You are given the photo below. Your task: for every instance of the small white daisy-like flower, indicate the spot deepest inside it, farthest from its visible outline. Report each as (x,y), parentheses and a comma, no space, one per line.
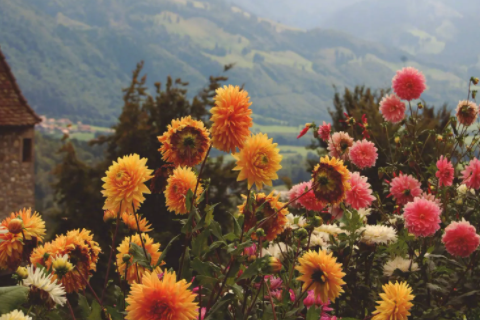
(395,219)
(15,315)
(317,240)
(364,213)
(378,234)
(400,263)
(277,250)
(295,222)
(332,229)
(38,279)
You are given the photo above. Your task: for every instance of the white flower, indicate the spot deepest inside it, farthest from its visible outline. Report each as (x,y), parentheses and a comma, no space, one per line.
(15,315)
(317,240)
(463,189)
(399,263)
(332,229)
(300,222)
(378,234)
(37,278)
(396,219)
(277,250)
(364,213)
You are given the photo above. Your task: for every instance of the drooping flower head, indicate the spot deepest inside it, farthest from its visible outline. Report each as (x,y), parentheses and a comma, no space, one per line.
(392,108)
(125,184)
(471,174)
(324,131)
(159,181)
(135,271)
(308,200)
(185,143)
(15,315)
(408,83)
(270,209)
(178,184)
(44,289)
(109,216)
(445,173)
(321,273)
(467,112)
(61,265)
(339,145)
(231,118)
(422,217)
(405,188)
(360,194)
(330,180)
(396,302)
(404,265)
(461,239)
(363,154)
(378,234)
(258,161)
(131,222)
(160,299)
(13,247)
(82,252)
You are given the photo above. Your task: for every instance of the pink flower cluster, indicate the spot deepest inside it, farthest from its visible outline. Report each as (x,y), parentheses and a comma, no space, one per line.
(307,201)
(471,174)
(461,239)
(422,217)
(360,194)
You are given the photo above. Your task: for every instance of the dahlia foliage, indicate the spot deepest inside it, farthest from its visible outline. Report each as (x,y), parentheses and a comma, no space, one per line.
(378,231)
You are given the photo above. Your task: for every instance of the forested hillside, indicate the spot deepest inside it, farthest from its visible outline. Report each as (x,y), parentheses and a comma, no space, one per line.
(72,58)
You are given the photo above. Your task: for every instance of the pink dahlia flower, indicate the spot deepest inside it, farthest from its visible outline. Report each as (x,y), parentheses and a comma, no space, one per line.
(392,108)
(324,131)
(363,154)
(461,239)
(409,83)
(471,174)
(292,295)
(445,172)
(405,188)
(467,112)
(360,195)
(422,217)
(339,144)
(311,300)
(430,197)
(307,201)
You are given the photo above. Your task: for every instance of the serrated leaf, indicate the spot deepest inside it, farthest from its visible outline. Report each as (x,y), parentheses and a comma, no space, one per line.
(201,267)
(216,229)
(12,298)
(83,307)
(96,313)
(200,243)
(188,200)
(254,269)
(209,213)
(115,314)
(217,306)
(313,313)
(206,281)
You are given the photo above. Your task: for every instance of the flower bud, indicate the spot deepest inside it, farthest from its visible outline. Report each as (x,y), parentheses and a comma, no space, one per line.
(420,105)
(439,137)
(62,266)
(46,255)
(317,221)
(474,94)
(126,258)
(260,233)
(15,226)
(397,140)
(22,273)
(301,233)
(274,265)
(459,201)
(474,80)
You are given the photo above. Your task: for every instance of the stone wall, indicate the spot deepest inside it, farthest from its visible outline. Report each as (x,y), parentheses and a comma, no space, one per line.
(17,184)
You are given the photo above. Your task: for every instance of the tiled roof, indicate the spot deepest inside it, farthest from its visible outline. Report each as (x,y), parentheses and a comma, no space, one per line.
(14,108)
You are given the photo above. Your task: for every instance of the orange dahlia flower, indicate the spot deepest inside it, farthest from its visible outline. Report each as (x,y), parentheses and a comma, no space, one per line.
(258,161)
(178,184)
(82,253)
(135,271)
(277,219)
(129,220)
(185,143)
(109,215)
(18,245)
(125,184)
(161,299)
(330,180)
(395,303)
(322,274)
(231,118)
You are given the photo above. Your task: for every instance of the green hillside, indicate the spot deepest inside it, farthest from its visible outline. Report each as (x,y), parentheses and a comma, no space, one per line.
(72,58)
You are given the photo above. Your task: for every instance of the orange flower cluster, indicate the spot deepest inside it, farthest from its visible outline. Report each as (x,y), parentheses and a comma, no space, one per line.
(82,251)
(25,230)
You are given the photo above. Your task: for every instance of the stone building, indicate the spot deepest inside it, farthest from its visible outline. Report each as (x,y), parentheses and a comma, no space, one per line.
(17,122)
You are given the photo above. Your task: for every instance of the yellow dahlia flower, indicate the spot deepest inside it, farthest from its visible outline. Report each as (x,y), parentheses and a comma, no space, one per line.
(258,161)
(134,271)
(231,118)
(178,184)
(129,220)
(161,299)
(13,245)
(277,219)
(321,273)
(125,184)
(395,303)
(330,180)
(185,143)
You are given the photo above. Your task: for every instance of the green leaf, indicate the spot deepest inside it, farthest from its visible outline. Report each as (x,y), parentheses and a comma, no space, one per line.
(313,313)
(139,256)
(254,269)
(83,307)
(209,213)
(202,268)
(188,200)
(216,307)
(200,243)
(186,273)
(115,314)
(164,253)
(206,281)
(230,236)
(96,313)
(216,229)
(12,298)
(237,229)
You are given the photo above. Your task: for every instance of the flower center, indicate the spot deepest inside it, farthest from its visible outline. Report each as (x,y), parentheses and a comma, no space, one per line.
(189,142)
(323,181)
(161,311)
(318,276)
(261,161)
(407,192)
(343,145)
(119,175)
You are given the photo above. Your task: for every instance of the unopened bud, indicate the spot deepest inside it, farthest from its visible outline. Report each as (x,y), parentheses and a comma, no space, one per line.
(46,255)
(397,140)
(439,137)
(474,94)
(459,201)
(260,233)
(317,221)
(301,233)
(420,105)
(126,258)
(474,80)
(15,226)
(22,273)
(274,265)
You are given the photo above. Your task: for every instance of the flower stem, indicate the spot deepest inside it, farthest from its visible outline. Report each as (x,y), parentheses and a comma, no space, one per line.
(271,301)
(140,235)
(111,252)
(71,310)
